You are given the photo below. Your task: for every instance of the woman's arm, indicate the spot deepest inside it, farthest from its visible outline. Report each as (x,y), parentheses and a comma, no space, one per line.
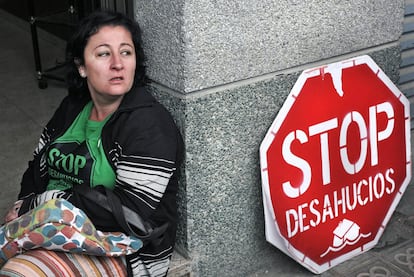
(34,180)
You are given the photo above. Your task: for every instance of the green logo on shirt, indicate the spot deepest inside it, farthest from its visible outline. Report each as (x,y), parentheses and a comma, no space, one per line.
(69,163)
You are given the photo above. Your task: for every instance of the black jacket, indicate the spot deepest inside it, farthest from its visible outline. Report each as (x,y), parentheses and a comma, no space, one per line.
(144,147)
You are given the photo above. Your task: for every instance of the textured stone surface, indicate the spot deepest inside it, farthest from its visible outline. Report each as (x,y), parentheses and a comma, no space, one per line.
(193,45)
(223,134)
(161,23)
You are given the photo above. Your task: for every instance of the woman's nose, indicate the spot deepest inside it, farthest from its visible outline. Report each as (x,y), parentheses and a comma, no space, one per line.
(116,62)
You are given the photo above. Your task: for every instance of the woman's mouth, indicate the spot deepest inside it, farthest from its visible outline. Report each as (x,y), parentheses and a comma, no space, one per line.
(116,80)
(120,78)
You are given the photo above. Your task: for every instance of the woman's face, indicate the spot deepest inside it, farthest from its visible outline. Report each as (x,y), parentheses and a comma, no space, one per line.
(109,62)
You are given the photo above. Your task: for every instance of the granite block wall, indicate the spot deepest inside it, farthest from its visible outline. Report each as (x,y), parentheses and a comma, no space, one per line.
(224,69)
(195,45)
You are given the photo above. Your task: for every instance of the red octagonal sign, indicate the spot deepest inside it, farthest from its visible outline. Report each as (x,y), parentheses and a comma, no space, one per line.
(335,163)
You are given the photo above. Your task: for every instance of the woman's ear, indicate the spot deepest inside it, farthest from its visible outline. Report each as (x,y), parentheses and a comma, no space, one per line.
(81,68)
(82,72)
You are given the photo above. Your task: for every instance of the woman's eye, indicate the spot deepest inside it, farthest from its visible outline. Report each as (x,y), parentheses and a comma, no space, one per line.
(126,52)
(103,54)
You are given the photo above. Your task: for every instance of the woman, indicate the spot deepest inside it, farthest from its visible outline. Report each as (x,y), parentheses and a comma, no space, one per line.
(109,134)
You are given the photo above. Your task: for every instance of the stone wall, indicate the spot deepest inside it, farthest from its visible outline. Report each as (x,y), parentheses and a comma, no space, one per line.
(224,69)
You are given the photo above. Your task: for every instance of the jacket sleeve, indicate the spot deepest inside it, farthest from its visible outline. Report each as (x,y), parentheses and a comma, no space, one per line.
(31,180)
(34,180)
(147,168)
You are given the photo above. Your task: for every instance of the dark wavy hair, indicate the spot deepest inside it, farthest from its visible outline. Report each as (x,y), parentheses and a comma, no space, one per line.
(89,26)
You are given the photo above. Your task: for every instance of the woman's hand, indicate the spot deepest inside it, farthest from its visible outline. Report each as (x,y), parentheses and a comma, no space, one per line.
(13,212)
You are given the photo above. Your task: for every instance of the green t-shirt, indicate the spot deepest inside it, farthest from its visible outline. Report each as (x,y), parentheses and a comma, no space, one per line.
(77,157)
